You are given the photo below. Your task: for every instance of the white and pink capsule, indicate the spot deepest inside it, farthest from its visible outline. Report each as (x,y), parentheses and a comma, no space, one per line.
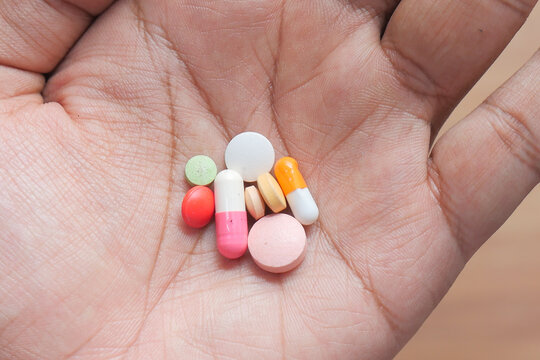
(231,216)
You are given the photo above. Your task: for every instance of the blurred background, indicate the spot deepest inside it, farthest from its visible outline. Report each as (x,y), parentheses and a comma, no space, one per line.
(493,309)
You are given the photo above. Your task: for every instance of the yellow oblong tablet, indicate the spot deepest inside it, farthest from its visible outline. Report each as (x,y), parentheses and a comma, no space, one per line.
(271,192)
(254,202)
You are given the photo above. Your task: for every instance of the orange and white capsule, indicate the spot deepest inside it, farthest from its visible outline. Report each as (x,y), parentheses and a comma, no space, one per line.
(294,187)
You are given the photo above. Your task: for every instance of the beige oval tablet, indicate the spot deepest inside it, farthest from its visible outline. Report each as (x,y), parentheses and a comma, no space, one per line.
(271,192)
(254,202)
(277,243)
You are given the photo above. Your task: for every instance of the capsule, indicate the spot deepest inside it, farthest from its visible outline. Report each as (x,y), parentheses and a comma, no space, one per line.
(231,217)
(296,191)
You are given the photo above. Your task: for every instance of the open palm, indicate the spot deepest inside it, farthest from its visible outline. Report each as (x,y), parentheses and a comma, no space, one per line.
(94,259)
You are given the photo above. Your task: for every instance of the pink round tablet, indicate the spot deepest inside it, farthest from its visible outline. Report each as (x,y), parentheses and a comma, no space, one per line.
(277,243)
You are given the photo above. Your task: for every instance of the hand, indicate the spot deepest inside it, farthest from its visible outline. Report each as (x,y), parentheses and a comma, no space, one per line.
(95,261)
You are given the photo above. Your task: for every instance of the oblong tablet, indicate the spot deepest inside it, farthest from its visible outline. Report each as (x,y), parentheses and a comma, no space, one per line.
(254,202)
(200,170)
(277,243)
(198,206)
(250,154)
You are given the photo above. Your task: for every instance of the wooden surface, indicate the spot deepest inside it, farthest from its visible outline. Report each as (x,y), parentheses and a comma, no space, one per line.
(493,310)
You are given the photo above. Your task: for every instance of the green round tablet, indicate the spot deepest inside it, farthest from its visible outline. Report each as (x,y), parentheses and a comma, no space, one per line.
(200,170)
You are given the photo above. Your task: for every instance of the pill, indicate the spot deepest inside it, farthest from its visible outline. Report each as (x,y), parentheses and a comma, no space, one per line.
(254,202)
(200,170)
(277,243)
(271,192)
(231,217)
(250,154)
(198,206)
(296,191)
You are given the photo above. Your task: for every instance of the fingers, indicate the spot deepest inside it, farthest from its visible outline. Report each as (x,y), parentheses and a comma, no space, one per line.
(35,35)
(439,49)
(18,82)
(484,167)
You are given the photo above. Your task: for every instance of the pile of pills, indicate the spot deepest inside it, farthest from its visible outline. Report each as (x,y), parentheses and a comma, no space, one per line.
(276,242)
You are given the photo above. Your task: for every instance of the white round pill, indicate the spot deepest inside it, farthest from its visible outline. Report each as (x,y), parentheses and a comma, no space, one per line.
(250,154)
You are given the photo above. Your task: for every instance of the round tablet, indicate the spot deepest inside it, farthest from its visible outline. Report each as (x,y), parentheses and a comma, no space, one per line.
(271,192)
(254,202)
(200,170)
(277,243)
(198,206)
(250,154)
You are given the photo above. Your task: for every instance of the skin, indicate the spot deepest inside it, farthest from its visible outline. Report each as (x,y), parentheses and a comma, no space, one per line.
(95,262)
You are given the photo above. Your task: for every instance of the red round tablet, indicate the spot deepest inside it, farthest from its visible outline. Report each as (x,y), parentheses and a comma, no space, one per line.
(198,206)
